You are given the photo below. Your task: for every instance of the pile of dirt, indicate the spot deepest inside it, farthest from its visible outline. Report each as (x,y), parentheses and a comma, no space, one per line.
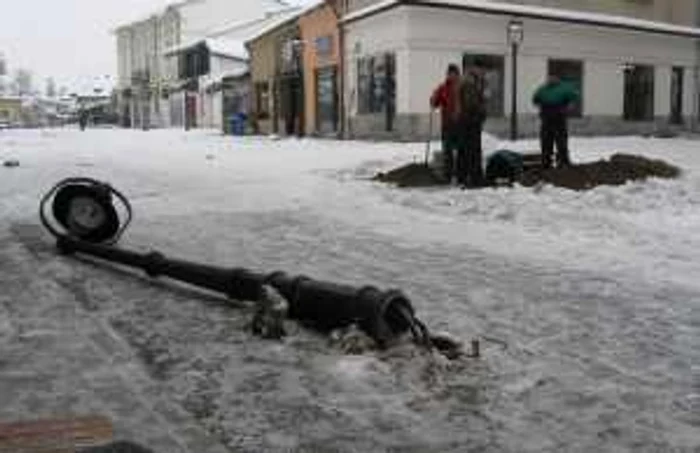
(411,175)
(617,171)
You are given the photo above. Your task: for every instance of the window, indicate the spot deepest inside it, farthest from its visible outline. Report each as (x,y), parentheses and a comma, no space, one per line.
(324,46)
(494,80)
(570,71)
(376,84)
(364,84)
(326,100)
(639,93)
(262,100)
(677,79)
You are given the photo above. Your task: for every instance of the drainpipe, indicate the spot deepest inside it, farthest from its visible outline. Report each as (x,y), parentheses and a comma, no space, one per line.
(696,74)
(336,7)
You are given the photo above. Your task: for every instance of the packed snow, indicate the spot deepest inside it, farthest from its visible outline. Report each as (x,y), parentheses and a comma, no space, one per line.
(586,302)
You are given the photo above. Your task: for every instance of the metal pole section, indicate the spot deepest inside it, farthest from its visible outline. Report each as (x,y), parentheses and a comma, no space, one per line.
(383,315)
(514,93)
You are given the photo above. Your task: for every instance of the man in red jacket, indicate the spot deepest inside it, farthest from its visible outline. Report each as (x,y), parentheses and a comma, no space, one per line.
(446,98)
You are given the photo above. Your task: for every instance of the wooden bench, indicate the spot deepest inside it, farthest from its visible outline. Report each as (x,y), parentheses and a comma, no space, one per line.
(55,435)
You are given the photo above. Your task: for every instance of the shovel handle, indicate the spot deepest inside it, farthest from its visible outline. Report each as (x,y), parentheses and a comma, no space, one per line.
(428,143)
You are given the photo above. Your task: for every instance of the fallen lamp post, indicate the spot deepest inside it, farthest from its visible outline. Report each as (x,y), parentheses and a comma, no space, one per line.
(84,219)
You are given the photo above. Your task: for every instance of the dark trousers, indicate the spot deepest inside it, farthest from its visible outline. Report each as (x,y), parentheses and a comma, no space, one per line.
(471,172)
(451,146)
(554,131)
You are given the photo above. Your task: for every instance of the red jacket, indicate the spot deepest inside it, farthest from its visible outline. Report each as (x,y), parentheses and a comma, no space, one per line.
(446,99)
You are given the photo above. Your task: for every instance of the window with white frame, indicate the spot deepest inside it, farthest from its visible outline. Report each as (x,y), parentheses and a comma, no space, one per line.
(376,83)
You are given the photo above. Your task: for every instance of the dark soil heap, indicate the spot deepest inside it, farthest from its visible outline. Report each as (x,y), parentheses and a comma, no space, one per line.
(411,175)
(617,171)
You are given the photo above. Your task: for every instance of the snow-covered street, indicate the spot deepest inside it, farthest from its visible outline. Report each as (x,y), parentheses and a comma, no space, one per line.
(588,303)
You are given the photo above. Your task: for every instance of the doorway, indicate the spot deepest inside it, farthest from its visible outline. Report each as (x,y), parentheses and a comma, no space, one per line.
(326,101)
(677,79)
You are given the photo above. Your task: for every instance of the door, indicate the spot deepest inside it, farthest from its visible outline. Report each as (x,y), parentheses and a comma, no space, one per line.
(677,77)
(639,93)
(326,101)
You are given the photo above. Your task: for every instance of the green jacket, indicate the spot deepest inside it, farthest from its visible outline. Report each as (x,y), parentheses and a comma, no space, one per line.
(555,96)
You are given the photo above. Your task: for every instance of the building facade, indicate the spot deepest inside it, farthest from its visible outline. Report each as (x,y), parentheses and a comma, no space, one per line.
(635,75)
(276,70)
(10,111)
(321,56)
(150,92)
(145,75)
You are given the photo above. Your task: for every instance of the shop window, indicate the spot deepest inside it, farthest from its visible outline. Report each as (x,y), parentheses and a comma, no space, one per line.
(571,72)
(376,92)
(639,93)
(326,100)
(324,46)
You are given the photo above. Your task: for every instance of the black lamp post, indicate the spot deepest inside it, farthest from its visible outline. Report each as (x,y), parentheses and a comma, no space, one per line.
(516,34)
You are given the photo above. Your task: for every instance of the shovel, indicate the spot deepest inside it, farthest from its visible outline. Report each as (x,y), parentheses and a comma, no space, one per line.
(428,143)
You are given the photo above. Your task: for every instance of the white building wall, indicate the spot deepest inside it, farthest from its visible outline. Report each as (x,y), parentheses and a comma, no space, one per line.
(689,100)
(603,88)
(532,71)
(221,65)
(436,37)
(386,32)
(662,91)
(433,65)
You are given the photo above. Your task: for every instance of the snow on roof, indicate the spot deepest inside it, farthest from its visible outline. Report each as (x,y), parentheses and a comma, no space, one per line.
(232,74)
(249,27)
(227,47)
(292,14)
(231,48)
(235,74)
(535,12)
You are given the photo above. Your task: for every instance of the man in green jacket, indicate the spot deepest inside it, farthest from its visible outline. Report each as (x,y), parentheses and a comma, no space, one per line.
(555,99)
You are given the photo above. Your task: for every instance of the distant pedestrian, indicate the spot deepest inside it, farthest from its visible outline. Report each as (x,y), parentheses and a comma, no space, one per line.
(555,99)
(446,98)
(83,119)
(472,118)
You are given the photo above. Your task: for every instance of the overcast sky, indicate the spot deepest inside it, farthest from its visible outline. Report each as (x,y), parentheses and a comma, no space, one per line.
(67,39)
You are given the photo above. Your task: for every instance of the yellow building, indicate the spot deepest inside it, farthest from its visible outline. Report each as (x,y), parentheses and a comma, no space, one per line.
(10,110)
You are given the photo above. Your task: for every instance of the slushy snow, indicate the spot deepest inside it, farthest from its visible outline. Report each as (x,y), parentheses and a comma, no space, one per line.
(586,303)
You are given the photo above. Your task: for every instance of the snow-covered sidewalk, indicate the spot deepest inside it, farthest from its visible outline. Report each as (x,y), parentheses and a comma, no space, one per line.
(596,295)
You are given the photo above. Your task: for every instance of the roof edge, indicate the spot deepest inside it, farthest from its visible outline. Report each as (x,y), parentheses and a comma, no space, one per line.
(538,13)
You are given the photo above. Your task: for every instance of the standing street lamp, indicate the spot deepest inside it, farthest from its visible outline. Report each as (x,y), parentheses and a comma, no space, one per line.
(516,33)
